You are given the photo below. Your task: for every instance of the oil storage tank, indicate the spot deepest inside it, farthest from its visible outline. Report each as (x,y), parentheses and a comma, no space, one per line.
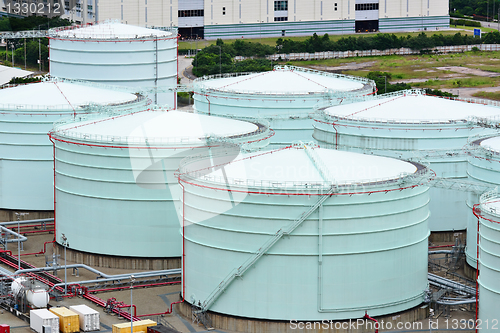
(118,54)
(484,168)
(27,114)
(304,233)
(284,96)
(411,123)
(123,168)
(488,215)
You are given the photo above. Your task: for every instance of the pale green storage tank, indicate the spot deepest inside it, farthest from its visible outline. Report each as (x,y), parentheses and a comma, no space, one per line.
(407,124)
(363,247)
(116,191)
(27,114)
(484,168)
(285,97)
(488,213)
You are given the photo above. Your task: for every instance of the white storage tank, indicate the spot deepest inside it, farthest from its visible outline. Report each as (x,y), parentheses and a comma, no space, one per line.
(43,317)
(123,169)
(89,318)
(488,214)
(407,124)
(264,239)
(118,54)
(484,168)
(27,114)
(284,96)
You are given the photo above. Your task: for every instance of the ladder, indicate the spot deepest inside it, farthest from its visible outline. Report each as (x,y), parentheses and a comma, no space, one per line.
(238,272)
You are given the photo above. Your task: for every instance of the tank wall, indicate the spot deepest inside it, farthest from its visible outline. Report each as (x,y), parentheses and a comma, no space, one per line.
(288,116)
(374,254)
(123,63)
(487,172)
(448,207)
(26,167)
(118,201)
(489,272)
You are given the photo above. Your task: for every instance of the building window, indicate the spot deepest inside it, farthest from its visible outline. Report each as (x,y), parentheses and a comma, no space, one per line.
(280,5)
(367,6)
(223,10)
(335,7)
(277,19)
(190,13)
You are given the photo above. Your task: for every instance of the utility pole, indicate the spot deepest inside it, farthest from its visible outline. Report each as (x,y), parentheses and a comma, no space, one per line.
(39,56)
(25,54)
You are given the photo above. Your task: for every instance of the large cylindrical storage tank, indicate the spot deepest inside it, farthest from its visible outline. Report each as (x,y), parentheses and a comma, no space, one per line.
(304,233)
(118,54)
(488,217)
(116,191)
(484,168)
(27,114)
(284,96)
(408,124)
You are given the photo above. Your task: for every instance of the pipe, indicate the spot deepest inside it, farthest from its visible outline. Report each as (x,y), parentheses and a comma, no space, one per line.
(470,301)
(25,221)
(99,273)
(116,277)
(20,238)
(441,252)
(373,319)
(41,252)
(474,208)
(439,246)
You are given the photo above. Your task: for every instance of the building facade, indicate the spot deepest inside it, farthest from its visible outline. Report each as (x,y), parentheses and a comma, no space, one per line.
(212,19)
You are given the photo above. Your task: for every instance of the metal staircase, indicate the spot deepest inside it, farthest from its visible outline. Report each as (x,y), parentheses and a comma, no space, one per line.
(238,272)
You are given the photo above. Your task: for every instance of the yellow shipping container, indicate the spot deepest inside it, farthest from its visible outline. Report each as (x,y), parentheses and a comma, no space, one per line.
(139,326)
(69,322)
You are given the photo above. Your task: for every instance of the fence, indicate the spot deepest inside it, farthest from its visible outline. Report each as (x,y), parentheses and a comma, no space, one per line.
(369,53)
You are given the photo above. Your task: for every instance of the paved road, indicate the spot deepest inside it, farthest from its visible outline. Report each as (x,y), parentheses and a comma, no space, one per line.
(185,72)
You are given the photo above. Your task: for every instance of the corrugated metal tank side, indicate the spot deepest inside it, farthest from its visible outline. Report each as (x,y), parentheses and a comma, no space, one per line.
(132,63)
(489,264)
(440,144)
(102,208)
(288,115)
(26,167)
(374,255)
(483,167)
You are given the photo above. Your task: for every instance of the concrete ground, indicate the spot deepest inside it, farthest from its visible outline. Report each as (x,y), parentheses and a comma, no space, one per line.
(148,300)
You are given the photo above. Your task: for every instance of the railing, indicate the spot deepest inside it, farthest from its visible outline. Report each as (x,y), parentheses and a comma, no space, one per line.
(199,86)
(421,176)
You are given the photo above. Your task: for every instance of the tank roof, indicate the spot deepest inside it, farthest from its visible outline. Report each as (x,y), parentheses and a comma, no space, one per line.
(63,94)
(157,126)
(314,165)
(492,144)
(412,107)
(114,30)
(282,80)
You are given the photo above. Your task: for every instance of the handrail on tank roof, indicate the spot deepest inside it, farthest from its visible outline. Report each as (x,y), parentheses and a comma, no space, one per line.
(197,84)
(489,196)
(475,146)
(55,32)
(423,175)
(263,130)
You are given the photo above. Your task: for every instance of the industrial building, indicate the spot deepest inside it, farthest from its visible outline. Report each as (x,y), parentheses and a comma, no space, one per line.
(313,234)
(408,124)
(284,96)
(27,115)
(268,18)
(123,167)
(118,54)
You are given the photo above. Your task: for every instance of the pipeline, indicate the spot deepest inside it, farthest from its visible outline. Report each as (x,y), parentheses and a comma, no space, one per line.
(20,238)
(373,319)
(99,273)
(439,246)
